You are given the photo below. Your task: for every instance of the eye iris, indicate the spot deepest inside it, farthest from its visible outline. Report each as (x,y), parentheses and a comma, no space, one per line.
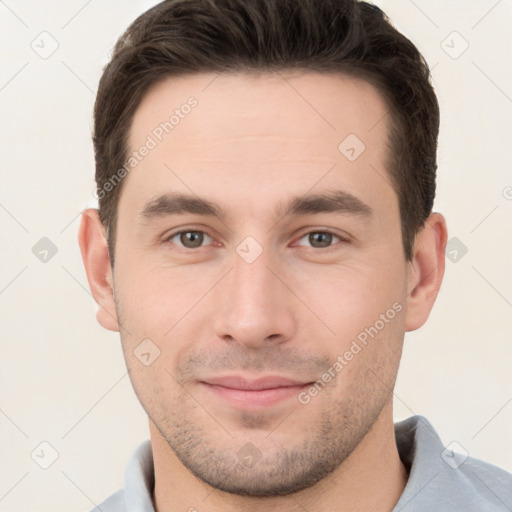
(325,238)
(196,238)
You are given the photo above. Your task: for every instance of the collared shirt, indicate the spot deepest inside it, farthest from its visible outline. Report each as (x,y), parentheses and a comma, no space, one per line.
(440,480)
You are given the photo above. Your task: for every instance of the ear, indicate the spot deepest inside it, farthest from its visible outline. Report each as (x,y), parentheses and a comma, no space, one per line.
(425,271)
(94,249)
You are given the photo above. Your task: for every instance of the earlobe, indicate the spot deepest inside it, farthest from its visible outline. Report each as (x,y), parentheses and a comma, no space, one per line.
(426,271)
(94,249)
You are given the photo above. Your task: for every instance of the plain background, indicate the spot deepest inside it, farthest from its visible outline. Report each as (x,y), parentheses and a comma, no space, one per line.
(62,376)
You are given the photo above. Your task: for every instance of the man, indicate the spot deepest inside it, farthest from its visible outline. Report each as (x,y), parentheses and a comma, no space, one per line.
(265,237)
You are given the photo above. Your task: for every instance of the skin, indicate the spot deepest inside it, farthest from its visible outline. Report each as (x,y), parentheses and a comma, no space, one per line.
(252,142)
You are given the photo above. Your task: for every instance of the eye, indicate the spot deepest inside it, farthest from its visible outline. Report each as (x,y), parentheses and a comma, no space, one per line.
(193,239)
(190,239)
(321,239)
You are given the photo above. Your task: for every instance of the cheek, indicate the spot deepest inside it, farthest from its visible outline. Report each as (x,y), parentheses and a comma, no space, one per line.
(154,384)
(348,300)
(155,300)
(162,310)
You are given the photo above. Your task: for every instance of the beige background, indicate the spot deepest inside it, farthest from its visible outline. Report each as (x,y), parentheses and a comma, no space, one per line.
(62,377)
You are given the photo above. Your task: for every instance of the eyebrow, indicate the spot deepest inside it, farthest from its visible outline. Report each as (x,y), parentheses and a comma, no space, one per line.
(334,201)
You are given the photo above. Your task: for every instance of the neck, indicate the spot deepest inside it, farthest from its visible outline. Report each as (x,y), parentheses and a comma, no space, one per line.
(371,478)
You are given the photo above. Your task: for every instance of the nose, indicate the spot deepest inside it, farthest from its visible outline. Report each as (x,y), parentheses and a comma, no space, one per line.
(257,306)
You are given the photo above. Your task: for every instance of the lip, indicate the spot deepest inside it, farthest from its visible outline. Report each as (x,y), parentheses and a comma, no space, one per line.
(253,394)
(267,382)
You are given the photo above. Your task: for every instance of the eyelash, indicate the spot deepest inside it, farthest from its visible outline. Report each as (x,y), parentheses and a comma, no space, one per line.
(326,249)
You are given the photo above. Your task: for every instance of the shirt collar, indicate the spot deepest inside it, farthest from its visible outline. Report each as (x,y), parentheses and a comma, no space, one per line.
(140,480)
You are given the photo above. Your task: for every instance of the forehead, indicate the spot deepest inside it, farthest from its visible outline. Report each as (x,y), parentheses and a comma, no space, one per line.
(264,105)
(253,132)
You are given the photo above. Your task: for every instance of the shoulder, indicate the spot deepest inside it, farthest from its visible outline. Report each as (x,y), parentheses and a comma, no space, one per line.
(482,479)
(472,486)
(114,503)
(442,478)
(138,484)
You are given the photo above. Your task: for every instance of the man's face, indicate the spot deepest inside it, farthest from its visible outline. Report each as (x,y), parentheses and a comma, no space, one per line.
(257,293)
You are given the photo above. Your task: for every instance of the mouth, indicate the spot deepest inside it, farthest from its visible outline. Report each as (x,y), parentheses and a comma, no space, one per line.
(256,394)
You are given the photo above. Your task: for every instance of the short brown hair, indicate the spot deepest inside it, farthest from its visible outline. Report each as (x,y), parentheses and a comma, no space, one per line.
(178,37)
